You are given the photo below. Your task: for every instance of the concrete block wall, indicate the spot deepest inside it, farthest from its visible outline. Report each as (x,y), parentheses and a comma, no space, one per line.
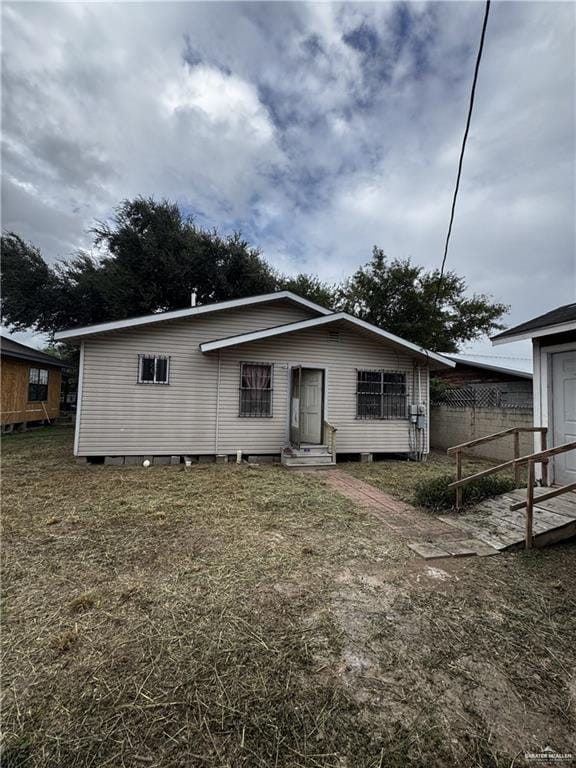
(451,426)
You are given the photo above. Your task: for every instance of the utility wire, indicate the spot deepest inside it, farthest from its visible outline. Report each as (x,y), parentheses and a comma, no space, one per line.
(463,149)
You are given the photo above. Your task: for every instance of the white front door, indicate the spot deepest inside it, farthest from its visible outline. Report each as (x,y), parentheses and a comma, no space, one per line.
(564,414)
(311,406)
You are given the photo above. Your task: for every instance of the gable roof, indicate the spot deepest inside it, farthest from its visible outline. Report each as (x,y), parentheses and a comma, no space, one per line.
(177,314)
(512,365)
(303,325)
(11,348)
(557,320)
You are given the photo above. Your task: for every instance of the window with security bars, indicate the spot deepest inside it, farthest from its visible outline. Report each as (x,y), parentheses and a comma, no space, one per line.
(381,395)
(255,389)
(153,369)
(37,385)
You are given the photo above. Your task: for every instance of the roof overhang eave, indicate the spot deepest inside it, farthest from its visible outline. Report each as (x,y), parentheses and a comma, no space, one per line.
(534,333)
(433,359)
(73,334)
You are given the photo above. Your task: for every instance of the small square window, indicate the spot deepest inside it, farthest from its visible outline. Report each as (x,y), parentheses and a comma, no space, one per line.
(153,369)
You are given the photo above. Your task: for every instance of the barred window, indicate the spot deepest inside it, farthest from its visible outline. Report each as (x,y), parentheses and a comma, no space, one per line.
(381,395)
(255,389)
(38,385)
(153,369)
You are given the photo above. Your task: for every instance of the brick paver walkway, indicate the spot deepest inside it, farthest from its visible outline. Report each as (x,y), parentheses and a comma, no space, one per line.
(406,521)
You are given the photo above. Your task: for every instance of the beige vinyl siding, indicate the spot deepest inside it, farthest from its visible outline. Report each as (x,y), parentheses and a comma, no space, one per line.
(119,416)
(341,359)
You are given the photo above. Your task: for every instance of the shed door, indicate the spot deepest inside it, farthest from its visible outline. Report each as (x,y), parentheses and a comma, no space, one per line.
(311,406)
(564,413)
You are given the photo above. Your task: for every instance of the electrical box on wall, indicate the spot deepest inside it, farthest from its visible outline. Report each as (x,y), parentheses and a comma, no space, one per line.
(417,415)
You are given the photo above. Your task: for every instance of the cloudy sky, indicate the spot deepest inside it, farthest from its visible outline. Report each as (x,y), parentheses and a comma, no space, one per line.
(317,129)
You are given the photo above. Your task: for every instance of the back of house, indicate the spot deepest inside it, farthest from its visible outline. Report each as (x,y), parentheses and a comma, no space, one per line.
(260,375)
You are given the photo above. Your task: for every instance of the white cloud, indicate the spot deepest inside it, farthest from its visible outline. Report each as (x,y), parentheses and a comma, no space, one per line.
(230,104)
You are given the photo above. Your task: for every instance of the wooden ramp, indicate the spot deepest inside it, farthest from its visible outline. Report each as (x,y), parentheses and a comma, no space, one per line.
(495,524)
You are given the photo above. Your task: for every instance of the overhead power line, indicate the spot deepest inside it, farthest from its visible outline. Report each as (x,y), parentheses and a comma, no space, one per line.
(463,149)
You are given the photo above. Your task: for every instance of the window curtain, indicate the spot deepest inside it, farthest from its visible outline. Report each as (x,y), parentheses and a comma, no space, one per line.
(257,377)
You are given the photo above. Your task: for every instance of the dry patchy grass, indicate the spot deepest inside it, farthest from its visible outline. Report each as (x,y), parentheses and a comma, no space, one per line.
(399,477)
(231,616)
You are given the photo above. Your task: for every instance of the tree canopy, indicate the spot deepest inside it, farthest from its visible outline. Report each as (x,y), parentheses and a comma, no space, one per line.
(151,258)
(417,305)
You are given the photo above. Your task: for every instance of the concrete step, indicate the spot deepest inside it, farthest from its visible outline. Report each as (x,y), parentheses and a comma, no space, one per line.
(307,460)
(307,450)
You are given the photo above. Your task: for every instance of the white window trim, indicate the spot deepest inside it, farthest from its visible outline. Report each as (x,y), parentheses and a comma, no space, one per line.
(542,389)
(143,357)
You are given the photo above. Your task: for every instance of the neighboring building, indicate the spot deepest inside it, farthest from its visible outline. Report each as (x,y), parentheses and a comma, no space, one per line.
(488,380)
(31,383)
(554,352)
(482,396)
(264,375)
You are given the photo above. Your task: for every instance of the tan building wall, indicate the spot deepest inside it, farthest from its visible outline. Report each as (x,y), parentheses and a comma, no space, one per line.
(14,393)
(197,413)
(451,426)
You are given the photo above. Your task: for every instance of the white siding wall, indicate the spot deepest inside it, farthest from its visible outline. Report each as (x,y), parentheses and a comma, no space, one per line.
(119,416)
(341,360)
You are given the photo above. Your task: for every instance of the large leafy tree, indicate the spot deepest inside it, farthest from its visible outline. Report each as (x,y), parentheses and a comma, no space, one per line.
(418,305)
(28,285)
(155,257)
(312,288)
(151,259)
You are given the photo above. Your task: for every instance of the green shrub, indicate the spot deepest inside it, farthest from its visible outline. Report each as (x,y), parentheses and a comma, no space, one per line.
(438,389)
(434,493)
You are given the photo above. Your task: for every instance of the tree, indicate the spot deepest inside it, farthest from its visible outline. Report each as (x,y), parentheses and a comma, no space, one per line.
(156,256)
(312,288)
(417,305)
(29,286)
(152,259)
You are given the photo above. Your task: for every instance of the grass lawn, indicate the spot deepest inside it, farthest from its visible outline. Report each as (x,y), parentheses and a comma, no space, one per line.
(234,616)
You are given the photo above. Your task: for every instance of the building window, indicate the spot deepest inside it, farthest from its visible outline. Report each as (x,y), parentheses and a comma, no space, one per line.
(381,395)
(153,369)
(38,385)
(255,389)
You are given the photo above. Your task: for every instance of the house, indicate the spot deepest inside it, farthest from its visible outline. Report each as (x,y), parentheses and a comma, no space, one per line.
(265,375)
(553,338)
(31,384)
(500,381)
